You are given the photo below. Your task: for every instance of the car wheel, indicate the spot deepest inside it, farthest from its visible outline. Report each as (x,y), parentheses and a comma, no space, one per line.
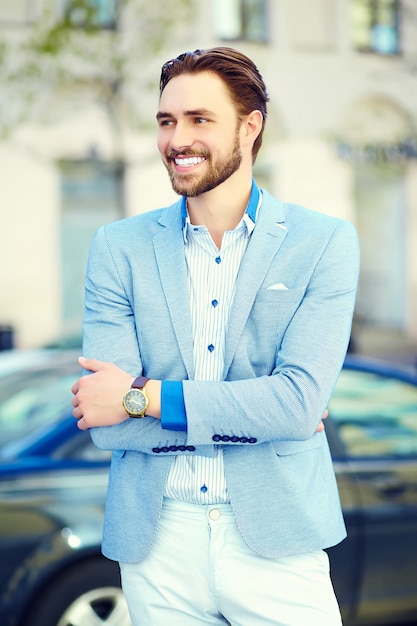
(89,593)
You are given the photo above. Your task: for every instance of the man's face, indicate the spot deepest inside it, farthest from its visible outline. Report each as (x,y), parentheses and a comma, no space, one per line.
(198,133)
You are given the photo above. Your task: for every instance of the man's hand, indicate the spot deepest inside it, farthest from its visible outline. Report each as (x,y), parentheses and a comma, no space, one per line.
(98,397)
(320,427)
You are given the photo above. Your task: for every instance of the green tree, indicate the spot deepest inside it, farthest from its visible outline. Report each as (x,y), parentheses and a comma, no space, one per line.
(85,49)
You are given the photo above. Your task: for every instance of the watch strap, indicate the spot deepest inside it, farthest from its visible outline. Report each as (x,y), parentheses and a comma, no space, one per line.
(139,382)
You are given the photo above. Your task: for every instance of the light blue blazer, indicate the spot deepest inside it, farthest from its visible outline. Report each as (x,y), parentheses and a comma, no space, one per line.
(288,332)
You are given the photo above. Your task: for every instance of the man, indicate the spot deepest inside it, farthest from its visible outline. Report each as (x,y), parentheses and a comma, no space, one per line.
(233,309)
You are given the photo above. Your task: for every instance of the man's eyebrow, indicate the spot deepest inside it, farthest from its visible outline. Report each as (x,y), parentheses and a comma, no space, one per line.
(191,113)
(162,114)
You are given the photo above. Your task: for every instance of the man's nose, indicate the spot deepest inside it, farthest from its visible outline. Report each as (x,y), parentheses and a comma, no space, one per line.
(181,137)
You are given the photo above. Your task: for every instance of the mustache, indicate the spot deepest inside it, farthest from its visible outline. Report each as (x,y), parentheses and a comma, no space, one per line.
(173,154)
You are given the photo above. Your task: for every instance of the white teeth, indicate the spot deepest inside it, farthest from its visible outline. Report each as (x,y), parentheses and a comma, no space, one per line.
(189,161)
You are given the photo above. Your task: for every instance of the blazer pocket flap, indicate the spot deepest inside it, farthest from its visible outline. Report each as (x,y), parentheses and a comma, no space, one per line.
(284,448)
(119,453)
(279,295)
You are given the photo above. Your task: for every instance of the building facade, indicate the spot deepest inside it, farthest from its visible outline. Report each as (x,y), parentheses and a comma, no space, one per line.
(341,138)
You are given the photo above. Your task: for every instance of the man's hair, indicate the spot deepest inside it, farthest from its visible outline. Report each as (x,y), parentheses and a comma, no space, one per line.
(240,75)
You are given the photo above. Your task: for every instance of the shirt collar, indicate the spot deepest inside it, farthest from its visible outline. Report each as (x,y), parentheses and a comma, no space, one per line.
(249,217)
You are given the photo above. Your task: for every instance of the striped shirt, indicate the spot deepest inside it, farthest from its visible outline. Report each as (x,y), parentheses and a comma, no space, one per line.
(212,275)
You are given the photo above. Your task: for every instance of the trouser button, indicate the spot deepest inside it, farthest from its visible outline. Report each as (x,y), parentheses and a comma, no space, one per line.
(214,514)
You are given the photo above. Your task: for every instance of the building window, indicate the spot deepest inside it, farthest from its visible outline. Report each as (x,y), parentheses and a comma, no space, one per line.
(94,14)
(376,26)
(244,20)
(91,195)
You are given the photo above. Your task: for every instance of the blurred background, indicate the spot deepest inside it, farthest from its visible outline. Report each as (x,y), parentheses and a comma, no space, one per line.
(79,92)
(78,95)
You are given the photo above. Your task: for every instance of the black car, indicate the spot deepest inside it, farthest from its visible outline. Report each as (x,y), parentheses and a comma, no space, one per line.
(372,431)
(53,484)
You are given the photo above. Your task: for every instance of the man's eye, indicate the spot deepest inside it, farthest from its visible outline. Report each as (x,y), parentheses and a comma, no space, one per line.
(201,120)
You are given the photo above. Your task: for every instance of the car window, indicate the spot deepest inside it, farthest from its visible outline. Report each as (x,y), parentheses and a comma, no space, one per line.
(81,448)
(31,399)
(374,415)
(91,453)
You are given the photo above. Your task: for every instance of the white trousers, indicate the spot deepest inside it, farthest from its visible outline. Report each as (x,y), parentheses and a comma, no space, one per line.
(200,571)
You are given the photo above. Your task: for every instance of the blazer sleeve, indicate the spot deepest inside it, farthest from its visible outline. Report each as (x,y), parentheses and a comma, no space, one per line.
(289,403)
(111,334)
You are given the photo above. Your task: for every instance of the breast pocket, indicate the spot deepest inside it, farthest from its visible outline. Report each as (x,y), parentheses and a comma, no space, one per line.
(275,307)
(271,313)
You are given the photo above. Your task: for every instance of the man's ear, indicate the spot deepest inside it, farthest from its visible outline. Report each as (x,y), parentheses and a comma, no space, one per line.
(251,127)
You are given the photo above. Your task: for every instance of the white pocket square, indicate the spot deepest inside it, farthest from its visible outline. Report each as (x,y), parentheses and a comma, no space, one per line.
(278,287)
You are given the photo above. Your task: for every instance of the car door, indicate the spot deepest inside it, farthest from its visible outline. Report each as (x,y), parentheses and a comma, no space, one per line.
(374,418)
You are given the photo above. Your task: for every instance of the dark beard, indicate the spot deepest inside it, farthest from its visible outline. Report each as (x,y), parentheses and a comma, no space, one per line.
(217,174)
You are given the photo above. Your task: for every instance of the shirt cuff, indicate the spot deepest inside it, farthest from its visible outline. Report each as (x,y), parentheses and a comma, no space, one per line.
(173,415)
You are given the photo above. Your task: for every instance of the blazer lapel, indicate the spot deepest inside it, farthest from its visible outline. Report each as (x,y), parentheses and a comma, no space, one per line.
(266,239)
(169,251)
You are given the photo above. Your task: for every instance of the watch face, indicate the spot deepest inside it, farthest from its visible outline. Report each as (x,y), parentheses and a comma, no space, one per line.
(135,402)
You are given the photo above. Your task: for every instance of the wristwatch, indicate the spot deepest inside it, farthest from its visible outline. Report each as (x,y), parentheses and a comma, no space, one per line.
(135,401)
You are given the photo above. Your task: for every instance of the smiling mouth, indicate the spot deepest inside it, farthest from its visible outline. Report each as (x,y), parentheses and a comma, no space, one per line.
(188,161)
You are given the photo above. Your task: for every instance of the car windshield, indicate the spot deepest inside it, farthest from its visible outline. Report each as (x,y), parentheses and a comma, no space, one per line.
(35,395)
(375,415)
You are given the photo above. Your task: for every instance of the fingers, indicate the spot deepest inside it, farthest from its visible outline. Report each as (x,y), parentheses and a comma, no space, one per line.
(78,415)
(320,427)
(81,424)
(76,412)
(92,365)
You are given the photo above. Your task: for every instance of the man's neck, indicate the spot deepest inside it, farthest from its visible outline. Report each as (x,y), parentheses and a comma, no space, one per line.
(222,208)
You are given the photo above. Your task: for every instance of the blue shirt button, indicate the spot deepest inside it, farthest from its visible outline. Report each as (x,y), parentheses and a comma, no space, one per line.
(210,348)
(218,260)
(214,303)
(203,489)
